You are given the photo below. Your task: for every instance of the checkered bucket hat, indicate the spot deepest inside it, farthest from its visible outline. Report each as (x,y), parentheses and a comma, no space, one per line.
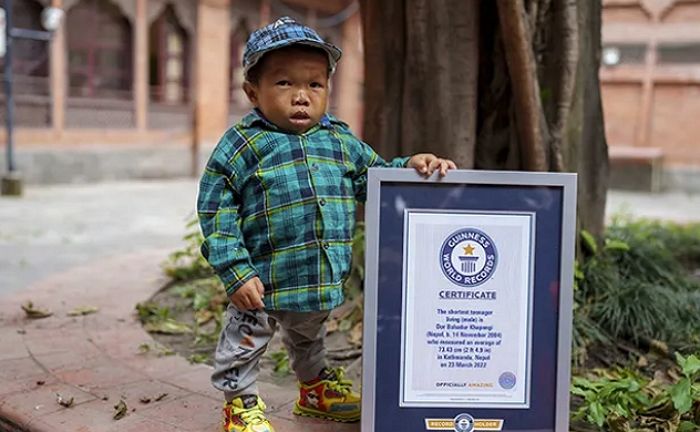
(281,33)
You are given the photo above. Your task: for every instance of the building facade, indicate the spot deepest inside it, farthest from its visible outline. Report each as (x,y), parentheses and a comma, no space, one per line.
(650,77)
(156,82)
(153,76)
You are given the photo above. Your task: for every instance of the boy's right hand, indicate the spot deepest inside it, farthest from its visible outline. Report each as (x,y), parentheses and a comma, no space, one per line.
(249,296)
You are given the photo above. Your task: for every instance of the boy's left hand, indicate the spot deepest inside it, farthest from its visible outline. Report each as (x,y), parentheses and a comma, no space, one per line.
(427,163)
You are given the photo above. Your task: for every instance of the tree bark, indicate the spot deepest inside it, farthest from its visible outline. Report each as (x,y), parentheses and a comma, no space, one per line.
(529,116)
(586,150)
(537,94)
(383,39)
(420,78)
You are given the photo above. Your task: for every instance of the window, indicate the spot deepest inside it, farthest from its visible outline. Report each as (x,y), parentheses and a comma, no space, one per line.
(169,54)
(30,59)
(99,50)
(682,53)
(615,54)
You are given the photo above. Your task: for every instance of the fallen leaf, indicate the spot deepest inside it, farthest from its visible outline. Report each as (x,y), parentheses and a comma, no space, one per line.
(155,348)
(345,325)
(64,402)
(642,362)
(203,316)
(168,326)
(355,336)
(40,382)
(145,400)
(161,397)
(165,351)
(35,313)
(198,358)
(659,346)
(331,326)
(83,310)
(120,410)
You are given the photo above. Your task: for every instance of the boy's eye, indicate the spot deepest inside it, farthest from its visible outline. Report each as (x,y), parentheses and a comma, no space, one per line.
(283,83)
(316,85)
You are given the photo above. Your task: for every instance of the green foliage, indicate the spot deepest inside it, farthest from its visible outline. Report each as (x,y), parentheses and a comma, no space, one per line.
(588,243)
(156,319)
(624,400)
(198,358)
(680,241)
(208,301)
(150,311)
(354,284)
(637,287)
(188,263)
(620,394)
(686,392)
(281,360)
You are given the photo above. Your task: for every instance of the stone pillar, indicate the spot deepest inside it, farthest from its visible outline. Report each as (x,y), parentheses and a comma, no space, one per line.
(212,53)
(350,75)
(58,76)
(141,65)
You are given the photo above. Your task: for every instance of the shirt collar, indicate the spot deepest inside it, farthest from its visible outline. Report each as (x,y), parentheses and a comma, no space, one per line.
(255,117)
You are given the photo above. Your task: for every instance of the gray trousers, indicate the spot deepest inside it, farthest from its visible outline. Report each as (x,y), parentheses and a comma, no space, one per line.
(244,340)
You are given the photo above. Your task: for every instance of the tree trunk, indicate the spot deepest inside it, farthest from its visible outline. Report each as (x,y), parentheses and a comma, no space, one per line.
(419,78)
(533,105)
(586,151)
(520,58)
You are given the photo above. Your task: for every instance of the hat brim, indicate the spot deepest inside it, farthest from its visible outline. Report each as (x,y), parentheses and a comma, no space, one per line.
(334,53)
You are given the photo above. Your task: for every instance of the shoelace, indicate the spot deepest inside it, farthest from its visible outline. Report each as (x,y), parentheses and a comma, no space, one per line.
(340,384)
(253,415)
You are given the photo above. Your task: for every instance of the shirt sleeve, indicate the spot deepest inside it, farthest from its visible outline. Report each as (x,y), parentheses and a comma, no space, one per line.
(218,206)
(364,157)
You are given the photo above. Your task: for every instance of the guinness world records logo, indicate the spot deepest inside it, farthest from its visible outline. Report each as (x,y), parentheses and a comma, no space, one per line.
(464,423)
(468,257)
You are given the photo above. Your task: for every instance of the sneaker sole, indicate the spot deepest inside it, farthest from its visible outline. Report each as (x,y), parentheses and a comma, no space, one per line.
(305,412)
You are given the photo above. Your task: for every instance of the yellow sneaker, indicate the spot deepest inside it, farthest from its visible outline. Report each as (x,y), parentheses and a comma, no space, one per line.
(329,396)
(246,414)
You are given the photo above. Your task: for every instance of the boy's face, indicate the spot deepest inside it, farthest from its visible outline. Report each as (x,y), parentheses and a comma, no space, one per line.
(292,88)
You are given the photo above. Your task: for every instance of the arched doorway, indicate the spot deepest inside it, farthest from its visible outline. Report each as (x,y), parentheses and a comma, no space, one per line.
(99,50)
(169,59)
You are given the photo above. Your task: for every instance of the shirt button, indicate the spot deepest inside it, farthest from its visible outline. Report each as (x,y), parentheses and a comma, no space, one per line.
(322,202)
(326,246)
(314,167)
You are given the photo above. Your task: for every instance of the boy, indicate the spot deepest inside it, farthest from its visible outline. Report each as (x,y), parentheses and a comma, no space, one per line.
(277,208)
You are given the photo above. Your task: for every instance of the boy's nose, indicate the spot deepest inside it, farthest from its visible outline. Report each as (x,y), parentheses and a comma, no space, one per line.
(300,98)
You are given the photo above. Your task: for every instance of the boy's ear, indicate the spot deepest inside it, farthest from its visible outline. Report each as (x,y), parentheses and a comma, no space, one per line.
(251,90)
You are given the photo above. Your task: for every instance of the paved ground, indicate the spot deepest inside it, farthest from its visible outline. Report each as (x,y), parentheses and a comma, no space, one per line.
(101,245)
(54,228)
(95,360)
(674,206)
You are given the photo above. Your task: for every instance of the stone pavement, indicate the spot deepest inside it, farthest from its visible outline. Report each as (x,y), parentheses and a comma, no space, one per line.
(95,360)
(53,228)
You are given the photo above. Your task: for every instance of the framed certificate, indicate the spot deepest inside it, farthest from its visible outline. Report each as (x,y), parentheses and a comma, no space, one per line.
(468,298)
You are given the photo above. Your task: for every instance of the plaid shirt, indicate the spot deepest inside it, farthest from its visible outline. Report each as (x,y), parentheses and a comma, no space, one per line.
(281,207)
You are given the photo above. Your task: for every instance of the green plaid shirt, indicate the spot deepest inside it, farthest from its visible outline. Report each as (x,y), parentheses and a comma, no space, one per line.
(281,206)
